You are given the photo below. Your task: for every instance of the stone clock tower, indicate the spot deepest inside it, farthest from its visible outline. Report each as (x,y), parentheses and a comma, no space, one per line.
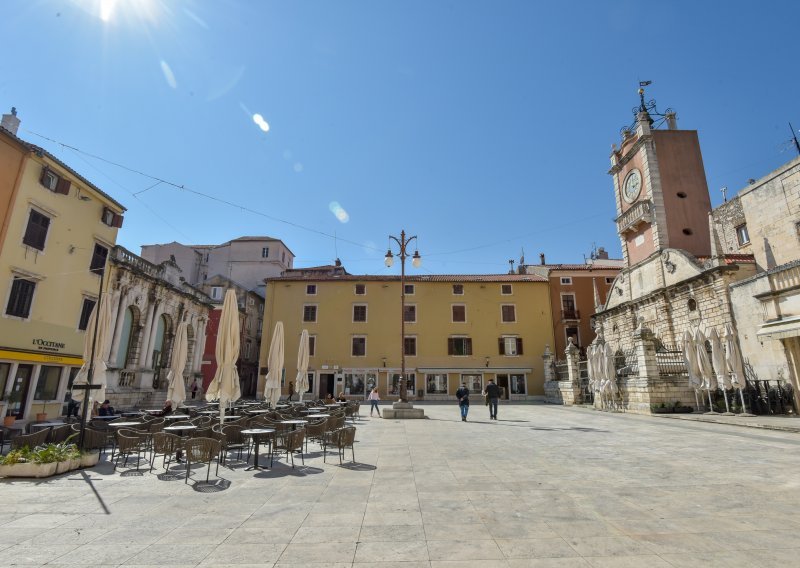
(660,187)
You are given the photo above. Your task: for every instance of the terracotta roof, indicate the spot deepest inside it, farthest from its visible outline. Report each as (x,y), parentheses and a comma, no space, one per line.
(457,278)
(41,151)
(581,266)
(733,258)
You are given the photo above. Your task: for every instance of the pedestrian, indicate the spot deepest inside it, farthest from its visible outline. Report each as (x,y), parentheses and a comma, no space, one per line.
(291,390)
(492,393)
(462,395)
(194,388)
(72,406)
(374,397)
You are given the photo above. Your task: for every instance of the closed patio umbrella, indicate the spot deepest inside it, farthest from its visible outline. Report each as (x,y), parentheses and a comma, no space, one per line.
(720,368)
(100,317)
(225,384)
(704,365)
(302,365)
(733,362)
(692,370)
(272,386)
(610,371)
(180,347)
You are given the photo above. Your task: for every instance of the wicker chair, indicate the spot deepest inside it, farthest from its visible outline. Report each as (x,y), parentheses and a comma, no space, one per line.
(201,433)
(292,442)
(59,434)
(342,439)
(95,440)
(233,440)
(129,442)
(30,440)
(166,445)
(201,450)
(315,430)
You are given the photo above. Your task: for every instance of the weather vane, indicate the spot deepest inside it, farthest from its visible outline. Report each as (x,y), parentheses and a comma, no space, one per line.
(648,108)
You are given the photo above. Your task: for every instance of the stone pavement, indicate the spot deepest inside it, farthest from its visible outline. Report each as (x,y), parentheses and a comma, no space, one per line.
(544,486)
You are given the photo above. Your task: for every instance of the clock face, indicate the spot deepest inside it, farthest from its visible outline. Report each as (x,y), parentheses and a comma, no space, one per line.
(632,186)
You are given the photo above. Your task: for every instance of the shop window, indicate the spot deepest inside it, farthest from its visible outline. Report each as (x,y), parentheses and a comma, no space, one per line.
(436,384)
(47,385)
(356,383)
(473,382)
(411,389)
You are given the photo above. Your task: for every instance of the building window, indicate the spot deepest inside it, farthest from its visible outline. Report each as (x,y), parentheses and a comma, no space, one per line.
(99,257)
(410,313)
(360,313)
(359,347)
(692,304)
(458,289)
(516,383)
(568,310)
(508,313)
(436,384)
(361,289)
(312,345)
(216,292)
(310,314)
(609,279)
(459,346)
(86,311)
(505,289)
(566,280)
(283,257)
(409,289)
(311,289)
(21,297)
(510,346)
(265,252)
(573,333)
(36,231)
(411,379)
(474,383)
(742,235)
(355,383)
(459,313)
(47,385)
(410,346)
(108,217)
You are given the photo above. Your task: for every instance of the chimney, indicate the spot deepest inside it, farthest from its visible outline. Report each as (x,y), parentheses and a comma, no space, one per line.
(672,121)
(602,253)
(10,121)
(541,257)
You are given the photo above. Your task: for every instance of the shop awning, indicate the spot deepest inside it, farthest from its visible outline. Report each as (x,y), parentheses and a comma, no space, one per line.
(780,329)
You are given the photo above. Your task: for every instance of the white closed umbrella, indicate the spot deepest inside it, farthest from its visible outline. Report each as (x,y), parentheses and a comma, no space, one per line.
(225,385)
(176,392)
(692,370)
(704,365)
(597,365)
(272,386)
(733,362)
(720,368)
(101,319)
(301,381)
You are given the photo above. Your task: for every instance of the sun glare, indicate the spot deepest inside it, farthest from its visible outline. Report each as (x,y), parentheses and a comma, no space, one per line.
(116,11)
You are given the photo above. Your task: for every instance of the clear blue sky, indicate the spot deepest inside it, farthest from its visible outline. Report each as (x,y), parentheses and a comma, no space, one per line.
(481,126)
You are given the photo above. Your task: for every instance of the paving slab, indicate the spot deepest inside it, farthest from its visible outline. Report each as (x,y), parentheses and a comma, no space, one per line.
(543,486)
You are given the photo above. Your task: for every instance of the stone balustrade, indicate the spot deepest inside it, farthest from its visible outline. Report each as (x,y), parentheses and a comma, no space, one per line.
(640,212)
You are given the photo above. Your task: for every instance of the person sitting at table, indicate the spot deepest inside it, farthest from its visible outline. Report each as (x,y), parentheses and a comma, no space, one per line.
(329,399)
(106,409)
(340,397)
(167,410)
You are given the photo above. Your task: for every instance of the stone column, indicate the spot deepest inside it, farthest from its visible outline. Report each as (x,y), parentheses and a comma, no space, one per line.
(572,354)
(151,309)
(643,387)
(547,362)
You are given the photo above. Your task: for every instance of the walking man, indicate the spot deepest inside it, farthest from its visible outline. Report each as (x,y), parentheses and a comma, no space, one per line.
(492,392)
(462,395)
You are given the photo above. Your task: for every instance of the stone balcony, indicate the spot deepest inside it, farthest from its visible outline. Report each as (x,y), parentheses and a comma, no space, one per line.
(640,212)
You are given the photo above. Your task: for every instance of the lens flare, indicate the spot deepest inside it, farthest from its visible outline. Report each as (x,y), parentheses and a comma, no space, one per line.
(169,76)
(339,212)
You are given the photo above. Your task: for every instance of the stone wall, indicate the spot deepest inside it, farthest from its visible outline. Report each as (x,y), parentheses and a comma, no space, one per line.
(727,217)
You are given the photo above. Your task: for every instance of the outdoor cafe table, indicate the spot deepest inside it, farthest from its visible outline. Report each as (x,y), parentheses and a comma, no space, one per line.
(208,412)
(177,417)
(180,430)
(256,434)
(153,410)
(259,411)
(318,416)
(313,410)
(131,414)
(294,423)
(124,424)
(46,425)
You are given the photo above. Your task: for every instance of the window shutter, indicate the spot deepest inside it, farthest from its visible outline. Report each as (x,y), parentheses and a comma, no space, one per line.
(501,344)
(117,222)
(451,346)
(519,346)
(62,186)
(468,346)
(43,175)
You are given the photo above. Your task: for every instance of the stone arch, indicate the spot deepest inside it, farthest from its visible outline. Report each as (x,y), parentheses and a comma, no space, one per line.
(130,337)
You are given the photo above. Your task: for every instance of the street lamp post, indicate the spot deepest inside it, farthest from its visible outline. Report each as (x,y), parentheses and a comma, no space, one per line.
(416,261)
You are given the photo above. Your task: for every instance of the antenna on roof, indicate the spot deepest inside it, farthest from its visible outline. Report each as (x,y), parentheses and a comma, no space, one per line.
(511,263)
(794,137)
(335,246)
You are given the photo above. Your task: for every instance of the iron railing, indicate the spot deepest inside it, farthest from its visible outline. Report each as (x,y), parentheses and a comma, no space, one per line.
(670,360)
(570,314)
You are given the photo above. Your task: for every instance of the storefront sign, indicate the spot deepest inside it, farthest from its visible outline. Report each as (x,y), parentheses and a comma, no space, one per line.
(40,357)
(45,345)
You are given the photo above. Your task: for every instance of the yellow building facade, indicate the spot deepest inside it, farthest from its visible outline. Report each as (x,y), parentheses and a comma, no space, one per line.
(56,227)
(461,328)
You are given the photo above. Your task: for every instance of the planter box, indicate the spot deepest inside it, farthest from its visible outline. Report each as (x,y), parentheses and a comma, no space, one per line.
(28,470)
(90,459)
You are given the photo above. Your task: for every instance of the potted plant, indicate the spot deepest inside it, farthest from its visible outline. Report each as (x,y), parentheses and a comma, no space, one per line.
(42,416)
(8,421)
(26,463)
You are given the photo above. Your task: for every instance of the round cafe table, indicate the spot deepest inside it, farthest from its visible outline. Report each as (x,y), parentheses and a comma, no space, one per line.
(46,425)
(182,431)
(313,410)
(294,423)
(208,412)
(260,411)
(177,417)
(318,416)
(256,434)
(124,424)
